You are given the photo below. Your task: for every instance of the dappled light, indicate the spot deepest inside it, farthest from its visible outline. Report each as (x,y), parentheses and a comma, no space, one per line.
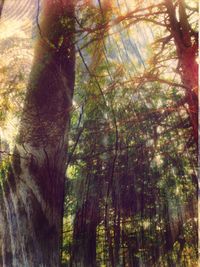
(98,133)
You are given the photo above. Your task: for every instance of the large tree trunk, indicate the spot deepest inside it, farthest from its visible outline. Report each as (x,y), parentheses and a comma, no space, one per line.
(33,189)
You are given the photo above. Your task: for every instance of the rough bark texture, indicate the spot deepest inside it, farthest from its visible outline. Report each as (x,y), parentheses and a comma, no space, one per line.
(33,190)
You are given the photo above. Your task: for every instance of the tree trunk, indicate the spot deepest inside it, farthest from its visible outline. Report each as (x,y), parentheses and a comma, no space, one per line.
(33,189)
(186,41)
(84,236)
(189,76)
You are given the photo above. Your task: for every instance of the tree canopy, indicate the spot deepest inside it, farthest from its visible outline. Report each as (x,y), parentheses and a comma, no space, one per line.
(99,99)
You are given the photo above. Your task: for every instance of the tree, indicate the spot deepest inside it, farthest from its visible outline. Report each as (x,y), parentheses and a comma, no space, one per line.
(178,41)
(147,206)
(132,185)
(186,42)
(131,191)
(32,184)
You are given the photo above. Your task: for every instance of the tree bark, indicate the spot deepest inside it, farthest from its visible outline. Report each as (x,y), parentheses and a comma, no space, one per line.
(84,236)
(33,190)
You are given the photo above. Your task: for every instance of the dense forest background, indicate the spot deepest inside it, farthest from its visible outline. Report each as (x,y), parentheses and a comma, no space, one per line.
(131,163)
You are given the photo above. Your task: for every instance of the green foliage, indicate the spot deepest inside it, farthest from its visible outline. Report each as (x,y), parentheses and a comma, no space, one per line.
(132,157)
(131,187)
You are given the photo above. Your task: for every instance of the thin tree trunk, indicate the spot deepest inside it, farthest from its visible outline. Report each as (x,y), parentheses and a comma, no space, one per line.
(33,191)
(86,221)
(189,75)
